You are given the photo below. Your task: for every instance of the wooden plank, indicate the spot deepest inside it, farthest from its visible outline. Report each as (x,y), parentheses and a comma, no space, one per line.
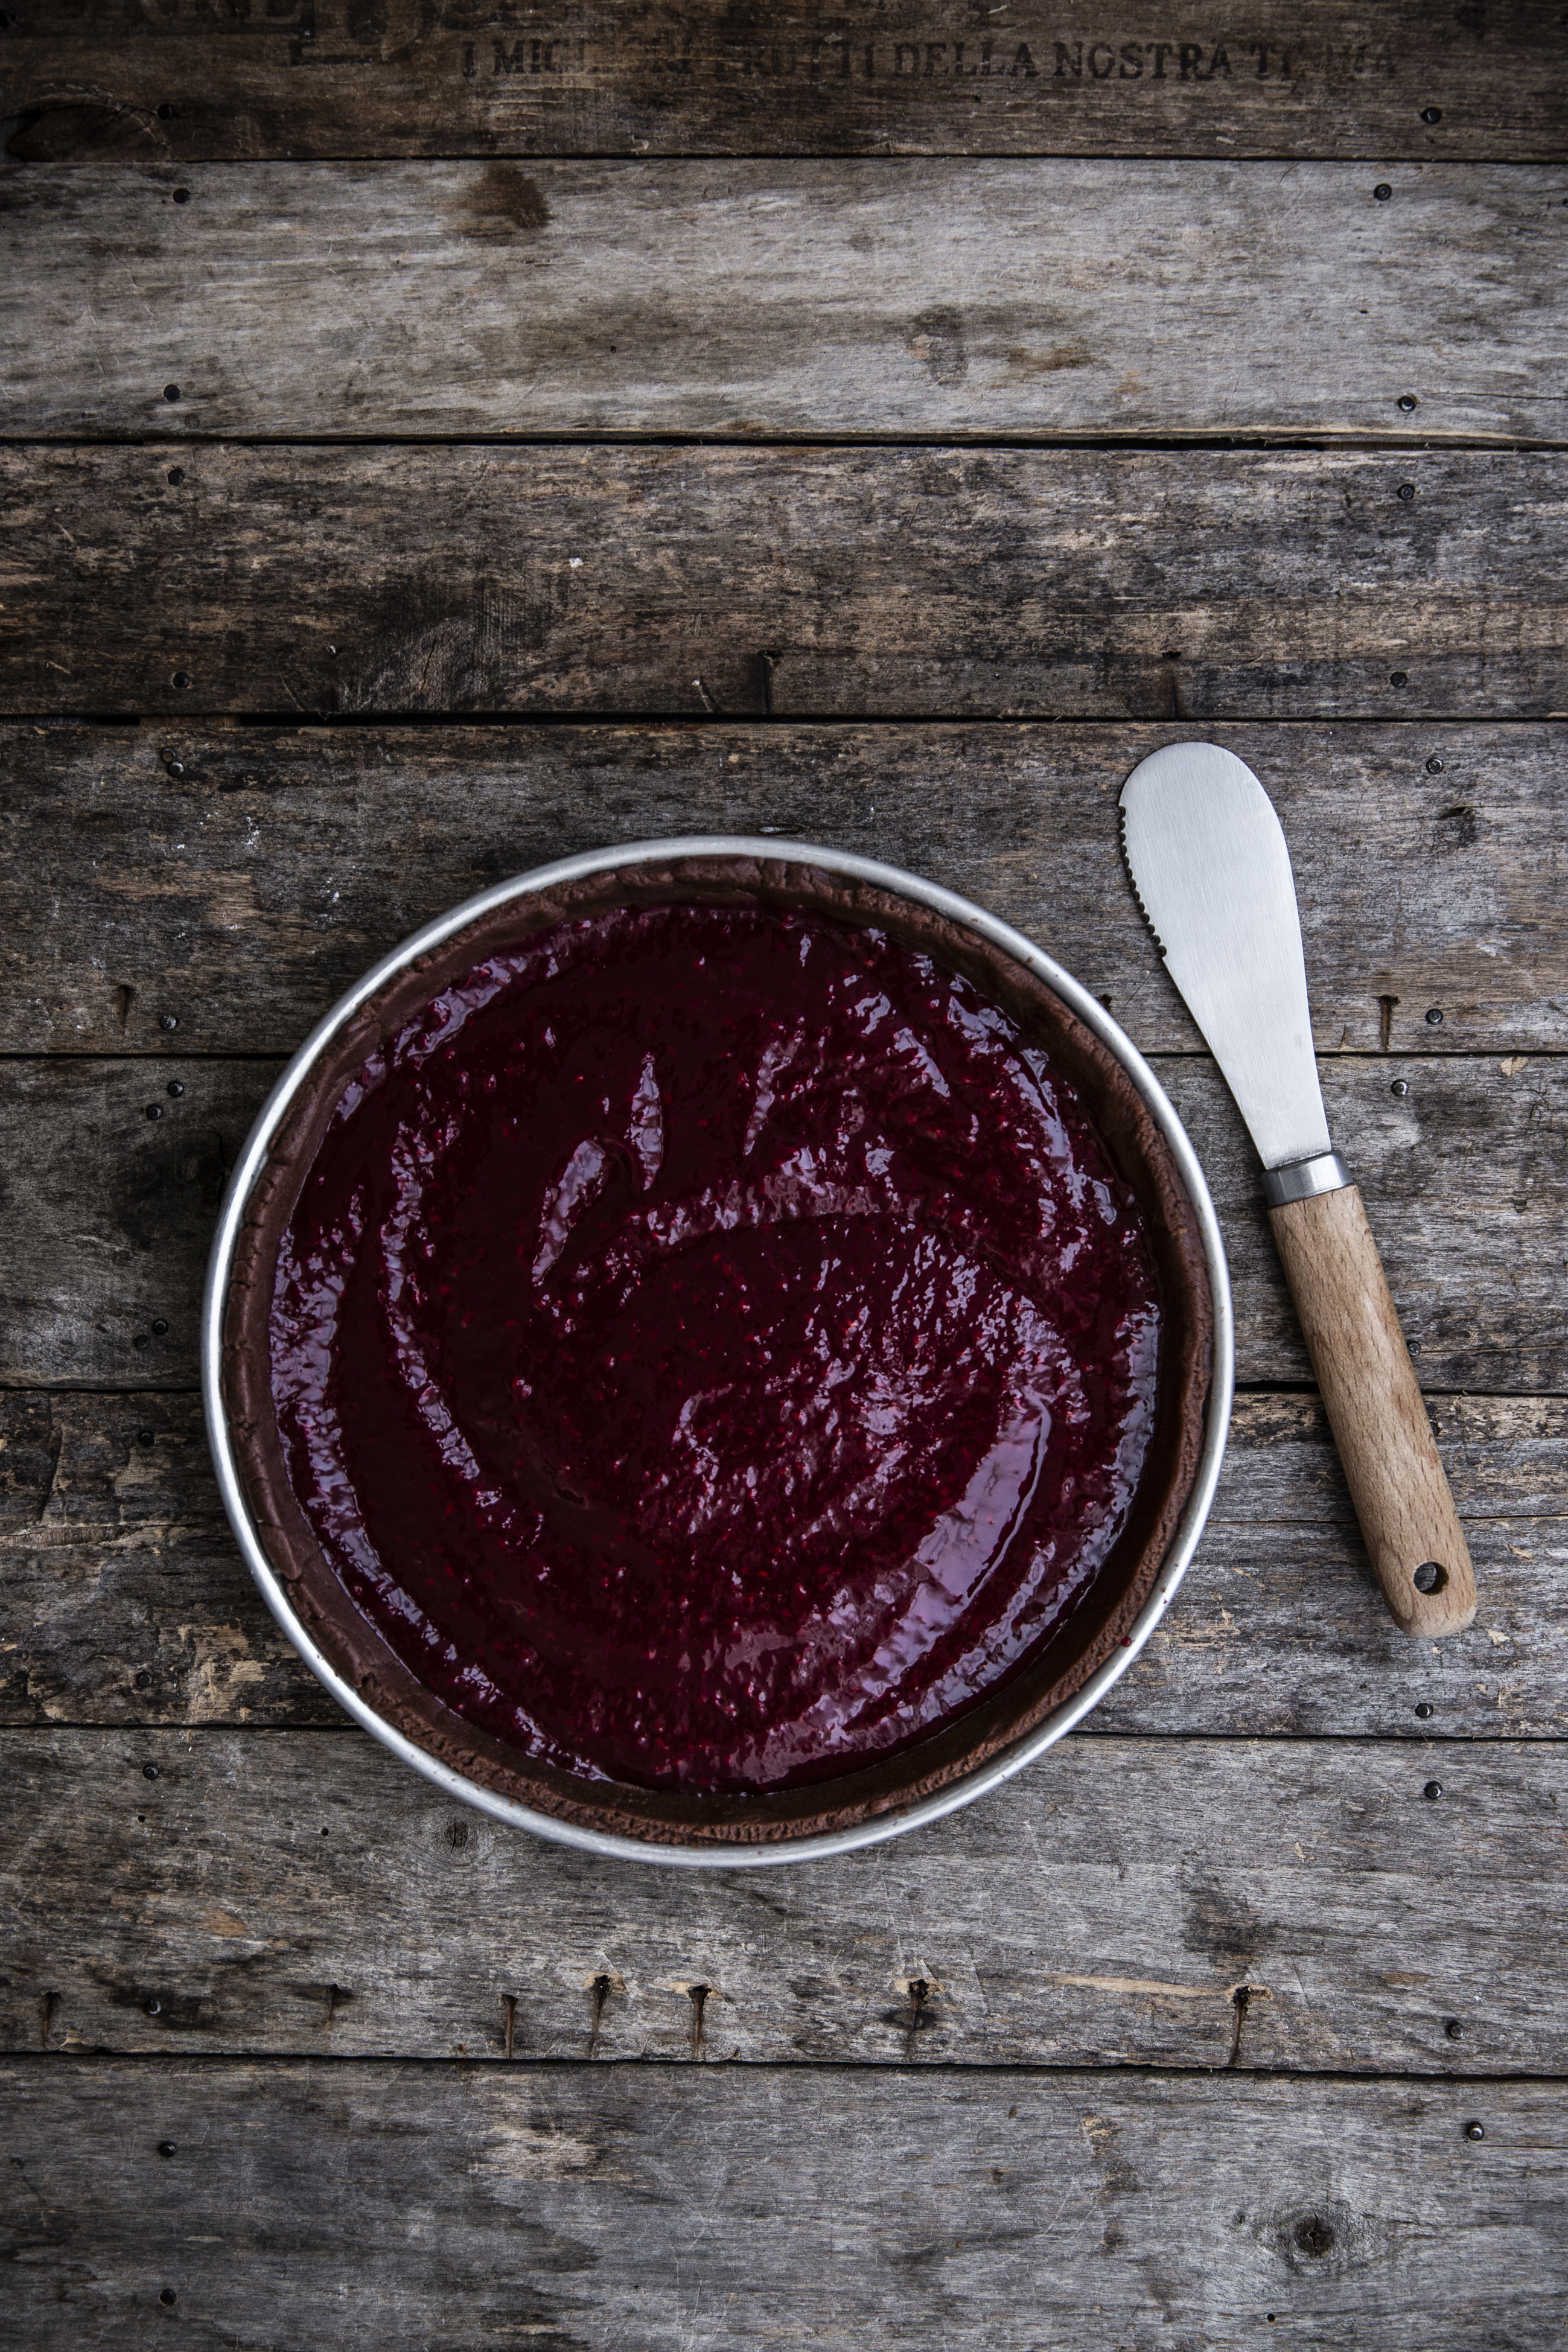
(124,1602)
(327,78)
(751,300)
(238,881)
(1463,1176)
(797,582)
(1455,1174)
(377,2207)
(304,1894)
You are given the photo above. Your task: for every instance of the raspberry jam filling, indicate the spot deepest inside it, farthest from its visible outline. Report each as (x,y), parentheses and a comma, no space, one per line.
(713,1348)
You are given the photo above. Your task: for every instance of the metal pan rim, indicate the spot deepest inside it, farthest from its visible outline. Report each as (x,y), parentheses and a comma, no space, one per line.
(1001,1768)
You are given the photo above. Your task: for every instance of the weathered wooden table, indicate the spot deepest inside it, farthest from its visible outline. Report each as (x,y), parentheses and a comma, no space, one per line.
(439,435)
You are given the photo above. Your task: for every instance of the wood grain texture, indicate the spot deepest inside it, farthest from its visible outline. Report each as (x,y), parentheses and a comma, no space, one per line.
(304,1894)
(796,584)
(238,881)
(334,77)
(112,1212)
(1455,1171)
(1375,1409)
(123,1600)
(385,2209)
(1280,1910)
(1045,300)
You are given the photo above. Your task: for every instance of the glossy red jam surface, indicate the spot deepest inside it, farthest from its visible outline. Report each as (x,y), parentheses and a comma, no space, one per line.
(712,1348)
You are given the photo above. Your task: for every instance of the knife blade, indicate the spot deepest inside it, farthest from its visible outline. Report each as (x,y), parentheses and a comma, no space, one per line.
(1209,862)
(1211,870)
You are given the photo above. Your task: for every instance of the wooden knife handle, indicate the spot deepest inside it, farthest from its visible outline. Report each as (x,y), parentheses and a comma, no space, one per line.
(1375,1411)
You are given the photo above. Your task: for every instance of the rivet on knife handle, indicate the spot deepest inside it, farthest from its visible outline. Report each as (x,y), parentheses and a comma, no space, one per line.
(1211,872)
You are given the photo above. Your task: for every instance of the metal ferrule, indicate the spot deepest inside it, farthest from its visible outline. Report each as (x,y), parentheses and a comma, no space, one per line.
(1302,1178)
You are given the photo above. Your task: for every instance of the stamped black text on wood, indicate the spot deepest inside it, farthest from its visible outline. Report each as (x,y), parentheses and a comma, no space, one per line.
(184,78)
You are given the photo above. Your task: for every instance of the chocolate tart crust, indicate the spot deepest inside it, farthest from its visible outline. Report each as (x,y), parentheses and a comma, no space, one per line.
(1102,1618)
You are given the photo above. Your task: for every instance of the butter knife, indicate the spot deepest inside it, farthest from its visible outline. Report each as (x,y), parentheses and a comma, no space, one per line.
(1212,873)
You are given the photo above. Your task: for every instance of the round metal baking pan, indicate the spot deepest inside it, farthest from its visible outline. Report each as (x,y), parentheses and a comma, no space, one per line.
(996,1769)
